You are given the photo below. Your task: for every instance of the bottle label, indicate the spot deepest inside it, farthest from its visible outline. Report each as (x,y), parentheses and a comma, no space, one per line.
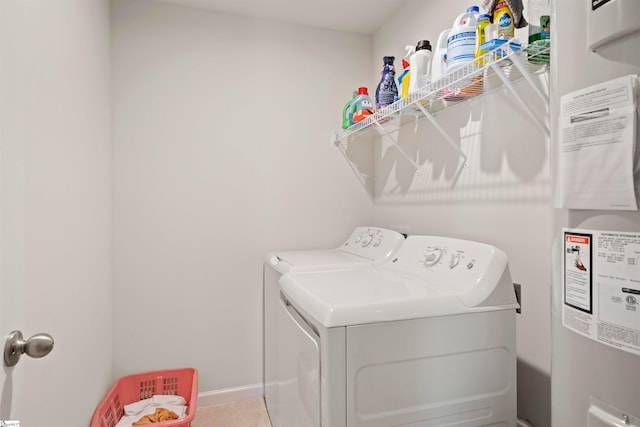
(505,20)
(461,47)
(541,32)
(387,91)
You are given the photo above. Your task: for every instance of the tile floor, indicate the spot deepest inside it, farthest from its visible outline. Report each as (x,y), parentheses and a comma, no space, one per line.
(246,413)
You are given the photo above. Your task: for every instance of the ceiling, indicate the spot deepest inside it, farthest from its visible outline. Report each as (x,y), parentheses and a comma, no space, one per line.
(359,16)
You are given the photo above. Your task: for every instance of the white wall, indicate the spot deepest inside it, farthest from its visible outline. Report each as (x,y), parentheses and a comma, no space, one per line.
(222,131)
(502,197)
(56,205)
(614,374)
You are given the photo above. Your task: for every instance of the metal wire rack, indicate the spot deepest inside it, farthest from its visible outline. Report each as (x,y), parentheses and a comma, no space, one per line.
(500,67)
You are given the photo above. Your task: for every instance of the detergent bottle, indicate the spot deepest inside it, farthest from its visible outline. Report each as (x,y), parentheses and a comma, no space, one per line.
(404,78)
(503,16)
(347,114)
(483,21)
(539,15)
(461,43)
(361,106)
(438,64)
(387,91)
(420,64)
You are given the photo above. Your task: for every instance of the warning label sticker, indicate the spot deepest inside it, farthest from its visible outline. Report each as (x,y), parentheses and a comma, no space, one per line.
(602,286)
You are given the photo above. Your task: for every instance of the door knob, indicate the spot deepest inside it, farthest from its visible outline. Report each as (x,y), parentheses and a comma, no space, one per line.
(39,345)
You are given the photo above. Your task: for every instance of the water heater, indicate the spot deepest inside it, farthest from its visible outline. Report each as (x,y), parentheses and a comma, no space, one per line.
(610,21)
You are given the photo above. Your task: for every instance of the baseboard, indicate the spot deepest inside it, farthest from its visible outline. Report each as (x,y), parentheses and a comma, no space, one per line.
(228,395)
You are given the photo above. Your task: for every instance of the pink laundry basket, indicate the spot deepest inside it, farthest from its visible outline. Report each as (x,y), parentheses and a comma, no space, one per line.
(133,388)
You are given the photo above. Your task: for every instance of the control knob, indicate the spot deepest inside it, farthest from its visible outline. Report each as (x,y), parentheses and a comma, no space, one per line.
(455,259)
(366,240)
(432,257)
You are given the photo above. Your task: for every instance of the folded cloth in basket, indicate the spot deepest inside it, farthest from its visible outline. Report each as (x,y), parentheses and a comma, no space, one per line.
(136,410)
(159,415)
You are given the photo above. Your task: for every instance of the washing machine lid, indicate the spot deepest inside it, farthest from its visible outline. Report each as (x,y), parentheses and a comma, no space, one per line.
(428,277)
(313,260)
(364,245)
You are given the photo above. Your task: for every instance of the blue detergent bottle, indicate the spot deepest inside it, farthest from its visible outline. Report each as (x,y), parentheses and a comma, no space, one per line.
(387,90)
(361,106)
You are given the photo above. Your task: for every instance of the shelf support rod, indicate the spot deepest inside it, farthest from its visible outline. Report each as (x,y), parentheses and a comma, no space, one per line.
(527,75)
(342,150)
(507,83)
(395,144)
(440,129)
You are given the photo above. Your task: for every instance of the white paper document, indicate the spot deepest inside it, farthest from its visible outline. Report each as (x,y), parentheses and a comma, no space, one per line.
(601,289)
(597,146)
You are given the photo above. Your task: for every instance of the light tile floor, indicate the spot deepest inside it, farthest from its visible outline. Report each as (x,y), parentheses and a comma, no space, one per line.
(246,413)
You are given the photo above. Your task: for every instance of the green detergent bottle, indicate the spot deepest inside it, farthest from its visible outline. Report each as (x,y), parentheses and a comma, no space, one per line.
(347,114)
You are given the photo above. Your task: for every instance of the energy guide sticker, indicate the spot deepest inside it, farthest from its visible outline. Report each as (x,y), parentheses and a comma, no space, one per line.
(601,286)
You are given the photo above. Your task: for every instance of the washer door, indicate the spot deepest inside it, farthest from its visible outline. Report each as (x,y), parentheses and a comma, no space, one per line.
(298,369)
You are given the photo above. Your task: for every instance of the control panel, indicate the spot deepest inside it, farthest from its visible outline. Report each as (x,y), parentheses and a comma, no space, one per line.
(445,255)
(372,242)
(448,264)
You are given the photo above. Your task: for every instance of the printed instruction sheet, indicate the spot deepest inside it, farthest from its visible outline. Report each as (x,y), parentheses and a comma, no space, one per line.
(601,289)
(597,146)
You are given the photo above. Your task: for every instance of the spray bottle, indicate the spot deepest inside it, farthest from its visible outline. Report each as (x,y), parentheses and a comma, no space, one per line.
(404,78)
(387,91)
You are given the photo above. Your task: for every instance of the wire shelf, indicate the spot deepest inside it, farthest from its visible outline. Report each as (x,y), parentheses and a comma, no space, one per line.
(497,68)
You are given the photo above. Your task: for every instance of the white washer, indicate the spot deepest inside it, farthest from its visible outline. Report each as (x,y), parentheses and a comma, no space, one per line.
(425,339)
(365,246)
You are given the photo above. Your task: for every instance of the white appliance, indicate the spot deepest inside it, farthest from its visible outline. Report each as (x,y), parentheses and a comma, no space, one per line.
(592,384)
(364,246)
(426,338)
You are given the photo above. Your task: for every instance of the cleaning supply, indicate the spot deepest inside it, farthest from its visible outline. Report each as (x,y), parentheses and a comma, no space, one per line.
(438,64)
(483,20)
(461,51)
(347,114)
(361,106)
(387,91)
(515,7)
(504,17)
(539,13)
(461,43)
(404,78)
(420,64)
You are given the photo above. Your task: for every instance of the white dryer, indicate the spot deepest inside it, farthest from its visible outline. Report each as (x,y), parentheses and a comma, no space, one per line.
(364,246)
(425,339)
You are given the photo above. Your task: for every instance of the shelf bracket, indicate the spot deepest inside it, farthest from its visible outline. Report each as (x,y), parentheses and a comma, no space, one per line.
(395,144)
(507,83)
(350,163)
(443,132)
(527,75)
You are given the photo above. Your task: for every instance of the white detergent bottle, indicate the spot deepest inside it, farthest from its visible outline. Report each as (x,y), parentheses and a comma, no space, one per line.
(420,66)
(438,64)
(461,43)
